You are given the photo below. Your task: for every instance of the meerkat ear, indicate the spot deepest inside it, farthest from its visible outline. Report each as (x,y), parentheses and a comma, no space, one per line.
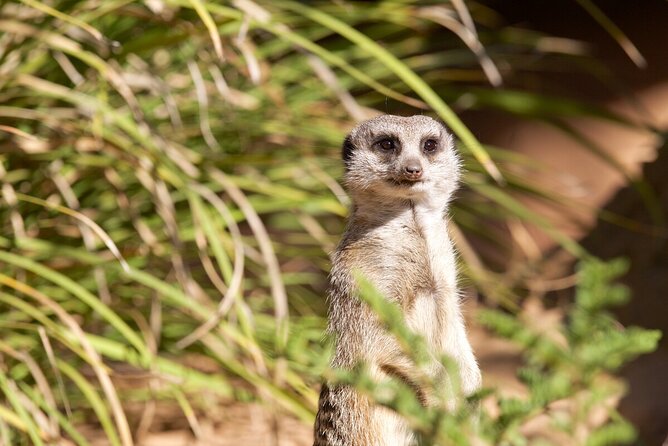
(347,151)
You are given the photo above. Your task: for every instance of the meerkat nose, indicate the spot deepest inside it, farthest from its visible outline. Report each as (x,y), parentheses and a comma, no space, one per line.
(413,170)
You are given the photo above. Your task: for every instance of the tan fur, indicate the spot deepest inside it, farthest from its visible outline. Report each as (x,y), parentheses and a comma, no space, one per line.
(397,238)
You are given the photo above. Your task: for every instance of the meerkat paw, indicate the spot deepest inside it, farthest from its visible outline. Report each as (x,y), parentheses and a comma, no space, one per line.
(471,378)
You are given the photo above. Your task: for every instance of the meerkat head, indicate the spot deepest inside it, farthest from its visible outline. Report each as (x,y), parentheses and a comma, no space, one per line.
(403,158)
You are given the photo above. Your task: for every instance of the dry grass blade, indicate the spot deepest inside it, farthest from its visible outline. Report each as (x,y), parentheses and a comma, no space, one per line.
(188,411)
(86,232)
(629,48)
(268,254)
(40,380)
(524,239)
(65,18)
(315,230)
(83,219)
(41,420)
(203,101)
(18,132)
(237,273)
(247,50)
(329,181)
(207,264)
(356,111)
(466,31)
(68,68)
(59,377)
(254,10)
(9,195)
(167,211)
(235,97)
(210,26)
(145,421)
(44,117)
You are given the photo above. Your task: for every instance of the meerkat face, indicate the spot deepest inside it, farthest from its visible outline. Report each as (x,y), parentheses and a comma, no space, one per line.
(405,158)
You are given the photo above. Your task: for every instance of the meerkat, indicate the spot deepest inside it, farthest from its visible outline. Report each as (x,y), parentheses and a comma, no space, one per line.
(400,173)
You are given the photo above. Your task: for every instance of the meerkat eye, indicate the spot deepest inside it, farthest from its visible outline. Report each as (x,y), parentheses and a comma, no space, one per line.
(386,144)
(430,146)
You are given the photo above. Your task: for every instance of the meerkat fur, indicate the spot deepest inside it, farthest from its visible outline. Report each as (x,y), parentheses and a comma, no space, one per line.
(401,173)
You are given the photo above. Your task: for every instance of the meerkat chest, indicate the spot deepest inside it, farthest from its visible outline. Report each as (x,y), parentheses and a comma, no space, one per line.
(398,260)
(410,257)
(439,250)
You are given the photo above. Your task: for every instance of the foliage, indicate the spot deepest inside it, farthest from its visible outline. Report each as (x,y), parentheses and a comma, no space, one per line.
(569,366)
(571,392)
(167,173)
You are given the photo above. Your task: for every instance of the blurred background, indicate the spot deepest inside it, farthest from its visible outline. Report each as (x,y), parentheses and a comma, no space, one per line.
(169,197)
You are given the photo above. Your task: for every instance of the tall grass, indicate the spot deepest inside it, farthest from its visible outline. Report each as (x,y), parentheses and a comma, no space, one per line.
(168,180)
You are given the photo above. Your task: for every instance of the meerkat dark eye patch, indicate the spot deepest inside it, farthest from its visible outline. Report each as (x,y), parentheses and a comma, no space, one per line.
(347,150)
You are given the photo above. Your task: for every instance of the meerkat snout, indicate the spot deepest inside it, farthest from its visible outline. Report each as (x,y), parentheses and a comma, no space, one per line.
(413,169)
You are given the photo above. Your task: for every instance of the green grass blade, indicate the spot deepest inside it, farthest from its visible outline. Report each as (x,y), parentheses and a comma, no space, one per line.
(407,75)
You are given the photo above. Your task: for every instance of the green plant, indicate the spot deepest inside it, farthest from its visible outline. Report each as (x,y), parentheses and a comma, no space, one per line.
(571,390)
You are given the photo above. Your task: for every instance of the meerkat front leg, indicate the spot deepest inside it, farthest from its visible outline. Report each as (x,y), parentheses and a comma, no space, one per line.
(429,215)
